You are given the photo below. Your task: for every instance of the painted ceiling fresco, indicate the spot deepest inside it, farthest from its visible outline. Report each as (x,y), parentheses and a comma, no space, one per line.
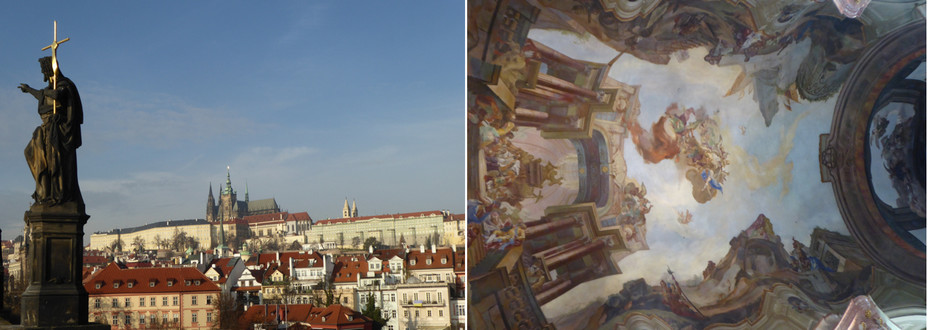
(696,164)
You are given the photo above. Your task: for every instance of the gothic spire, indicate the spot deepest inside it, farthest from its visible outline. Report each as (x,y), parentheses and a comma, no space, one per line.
(228,189)
(346,212)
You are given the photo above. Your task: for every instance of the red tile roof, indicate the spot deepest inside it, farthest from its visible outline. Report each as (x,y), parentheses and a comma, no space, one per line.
(142,277)
(348,268)
(265,258)
(301,216)
(383,216)
(279,216)
(95,260)
(224,267)
(337,315)
(422,258)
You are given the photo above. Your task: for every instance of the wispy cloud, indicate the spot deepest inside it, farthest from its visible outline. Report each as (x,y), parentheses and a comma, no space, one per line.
(114,115)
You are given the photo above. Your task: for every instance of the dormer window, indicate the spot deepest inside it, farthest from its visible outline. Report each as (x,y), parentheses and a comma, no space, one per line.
(129,284)
(115,285)
(170,282)
(187,283)
(99,285)
(197,282)
(428,261)
(412,262)
(444,260)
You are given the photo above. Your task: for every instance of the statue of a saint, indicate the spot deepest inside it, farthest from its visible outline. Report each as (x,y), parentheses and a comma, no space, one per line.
(52,153)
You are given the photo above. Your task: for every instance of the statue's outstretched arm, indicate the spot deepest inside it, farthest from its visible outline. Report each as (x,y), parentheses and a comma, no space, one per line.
(35,92)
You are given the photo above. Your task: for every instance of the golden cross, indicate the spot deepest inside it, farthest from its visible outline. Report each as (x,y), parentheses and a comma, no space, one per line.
(54,47)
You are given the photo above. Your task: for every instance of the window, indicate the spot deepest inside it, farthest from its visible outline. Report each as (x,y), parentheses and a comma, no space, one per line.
(115,319)
(428,261)
(141,301)
(128,319)
(406,314)
(440,313)
(209,317)
(392,297)
(152,318)
(404,297)
(193,317)
(115,285)
(96,303)
(197,282)
(99,285)
(209,300)
(141,319)
(164,301)
(345,300)
(187,282)
(128,303)
(393,313)
(417,314)
(444,260)
(428,313)
(460,310)
(152,301)
(193,300)
(129,284)
(412,262)
(115,302)
(164,318)
(174,301)
(175,318)
(428,296)
(439,297)
(170,282)
(151,284)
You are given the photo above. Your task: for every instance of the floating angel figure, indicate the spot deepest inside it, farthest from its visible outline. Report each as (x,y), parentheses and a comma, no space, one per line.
(710,182)
(684,217)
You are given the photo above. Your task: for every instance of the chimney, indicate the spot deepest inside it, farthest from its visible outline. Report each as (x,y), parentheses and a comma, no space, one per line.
(278,256)
(370,249)
(454,248)
(421,248)
(433,248)
(290,264)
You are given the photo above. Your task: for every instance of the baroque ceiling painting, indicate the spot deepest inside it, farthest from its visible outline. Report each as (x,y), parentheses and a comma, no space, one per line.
(693,164)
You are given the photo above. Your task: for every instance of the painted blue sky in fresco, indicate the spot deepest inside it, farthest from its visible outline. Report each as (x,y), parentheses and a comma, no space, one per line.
(309,102)
(774,169)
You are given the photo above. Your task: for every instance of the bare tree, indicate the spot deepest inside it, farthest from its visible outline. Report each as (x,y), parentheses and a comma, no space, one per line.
(138,243)
(229,311)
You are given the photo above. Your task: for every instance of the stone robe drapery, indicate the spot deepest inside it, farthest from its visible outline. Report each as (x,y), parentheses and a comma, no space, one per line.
(52,152)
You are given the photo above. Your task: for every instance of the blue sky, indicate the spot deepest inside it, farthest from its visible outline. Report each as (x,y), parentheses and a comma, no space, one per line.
(309,102)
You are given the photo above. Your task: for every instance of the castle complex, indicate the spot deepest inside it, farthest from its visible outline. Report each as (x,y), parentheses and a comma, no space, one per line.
(263,219)
(231,208)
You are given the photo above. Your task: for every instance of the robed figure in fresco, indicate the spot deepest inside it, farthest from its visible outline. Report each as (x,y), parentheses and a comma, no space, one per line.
(52,152)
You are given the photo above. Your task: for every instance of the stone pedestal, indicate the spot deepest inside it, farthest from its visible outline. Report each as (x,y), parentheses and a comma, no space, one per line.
(55,295)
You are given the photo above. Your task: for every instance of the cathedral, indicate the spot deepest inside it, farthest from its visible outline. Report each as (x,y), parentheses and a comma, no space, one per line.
(231,208)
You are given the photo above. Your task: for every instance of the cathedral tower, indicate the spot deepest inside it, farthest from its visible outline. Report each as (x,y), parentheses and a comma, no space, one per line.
(354,209)
(346,212)
(227,199)
(210,205)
